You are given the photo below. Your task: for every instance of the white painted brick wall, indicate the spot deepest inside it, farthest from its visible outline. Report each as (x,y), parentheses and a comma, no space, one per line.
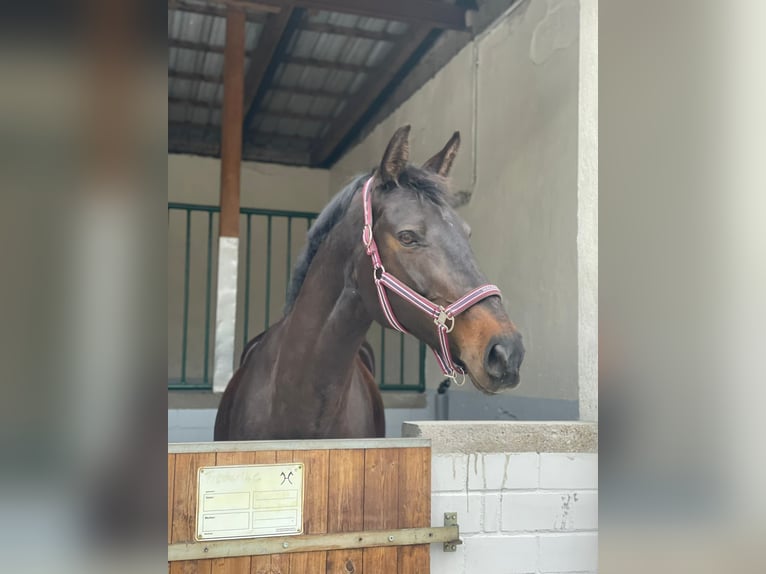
(519,513)
(561,470)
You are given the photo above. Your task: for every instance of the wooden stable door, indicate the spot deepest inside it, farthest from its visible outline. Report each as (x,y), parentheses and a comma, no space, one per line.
(349,486)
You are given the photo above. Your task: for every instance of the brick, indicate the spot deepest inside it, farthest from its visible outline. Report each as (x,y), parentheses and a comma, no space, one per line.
(569,552)
(500,555)
(469,510)
(448,472)
(491,512)
(495,471)
(569,471)
(549,511)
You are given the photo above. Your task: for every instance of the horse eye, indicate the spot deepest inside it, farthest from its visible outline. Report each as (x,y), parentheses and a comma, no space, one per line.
(407,238)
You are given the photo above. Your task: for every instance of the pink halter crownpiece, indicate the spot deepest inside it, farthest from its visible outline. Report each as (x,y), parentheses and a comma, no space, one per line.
(443,317)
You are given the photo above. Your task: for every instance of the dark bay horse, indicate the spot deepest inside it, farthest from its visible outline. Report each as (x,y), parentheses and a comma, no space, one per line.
(310,374)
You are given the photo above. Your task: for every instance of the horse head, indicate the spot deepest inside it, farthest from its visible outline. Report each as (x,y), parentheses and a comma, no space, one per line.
(423,243)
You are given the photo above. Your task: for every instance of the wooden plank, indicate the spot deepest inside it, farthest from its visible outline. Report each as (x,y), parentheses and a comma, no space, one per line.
(262,564)
(241,564)
(280,564)
(315,488)
(414,506)
(345,507)
(381,501)
(184,507)
(171,477)
(360,102)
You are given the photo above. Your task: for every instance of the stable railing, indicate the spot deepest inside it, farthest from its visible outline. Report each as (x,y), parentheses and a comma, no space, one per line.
(269,244)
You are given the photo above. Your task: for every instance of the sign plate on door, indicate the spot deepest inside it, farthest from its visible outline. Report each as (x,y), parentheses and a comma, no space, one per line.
(249,501)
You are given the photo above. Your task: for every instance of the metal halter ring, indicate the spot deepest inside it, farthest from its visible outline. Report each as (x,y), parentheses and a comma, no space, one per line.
(442,318)
(453,376)
(375,273)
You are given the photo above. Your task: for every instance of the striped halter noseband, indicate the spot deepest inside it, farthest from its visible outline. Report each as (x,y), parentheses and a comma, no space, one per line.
(443,317)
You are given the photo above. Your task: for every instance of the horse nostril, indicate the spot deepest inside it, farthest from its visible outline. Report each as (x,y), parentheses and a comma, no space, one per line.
(497,361)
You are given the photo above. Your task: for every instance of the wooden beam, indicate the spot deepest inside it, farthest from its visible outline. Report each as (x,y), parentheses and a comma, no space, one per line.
(325,65)
(308,92)
(195,77)
(212,9)
(231,122)
(271,34)
(431,13)
(268,154)
(275,113)
(349,31)
(186,45)
(375,83)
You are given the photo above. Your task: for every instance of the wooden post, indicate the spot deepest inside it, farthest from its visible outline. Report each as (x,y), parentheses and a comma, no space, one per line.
(231,155)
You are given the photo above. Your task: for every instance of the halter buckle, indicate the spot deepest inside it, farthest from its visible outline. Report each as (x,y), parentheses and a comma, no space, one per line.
(441,320)
(367,235)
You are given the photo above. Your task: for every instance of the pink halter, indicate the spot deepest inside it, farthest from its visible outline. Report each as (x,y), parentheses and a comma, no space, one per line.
(443,317)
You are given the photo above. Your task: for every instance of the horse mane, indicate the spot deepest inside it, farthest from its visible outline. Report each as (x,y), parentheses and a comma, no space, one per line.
(427,185)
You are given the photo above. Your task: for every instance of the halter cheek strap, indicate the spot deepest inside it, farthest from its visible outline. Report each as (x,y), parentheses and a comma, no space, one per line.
(443,317)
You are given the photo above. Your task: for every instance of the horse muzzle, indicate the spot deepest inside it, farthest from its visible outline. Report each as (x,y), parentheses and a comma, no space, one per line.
(502,361)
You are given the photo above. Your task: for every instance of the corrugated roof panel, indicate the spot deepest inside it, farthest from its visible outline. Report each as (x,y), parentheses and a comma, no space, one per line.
(323,106)
(199,115)
(252,33)
(208,92)
(180,88)
(357,51)
(177,113)
(212,64)
(357,83)
(215,117)
(378,54)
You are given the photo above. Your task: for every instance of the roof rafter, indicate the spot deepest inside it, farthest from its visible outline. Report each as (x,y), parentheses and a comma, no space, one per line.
(373,86)
(432,13)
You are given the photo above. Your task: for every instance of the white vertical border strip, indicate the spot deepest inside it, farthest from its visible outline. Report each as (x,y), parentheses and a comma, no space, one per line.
(587,213)
(226,312)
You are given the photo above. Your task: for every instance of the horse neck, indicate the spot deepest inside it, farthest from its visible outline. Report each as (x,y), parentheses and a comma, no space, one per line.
(328,321)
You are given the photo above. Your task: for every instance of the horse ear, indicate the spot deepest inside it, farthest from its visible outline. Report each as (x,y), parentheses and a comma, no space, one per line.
(441,163)
(397,155)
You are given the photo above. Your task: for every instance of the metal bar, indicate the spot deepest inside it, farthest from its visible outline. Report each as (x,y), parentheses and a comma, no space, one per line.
(185,334)
(397,387)
(318,444)
(382,355)
(312,543)
(254,210)
(207,295)
(289,251)
(422,382)
(246,319)
(268,274)
(401,358)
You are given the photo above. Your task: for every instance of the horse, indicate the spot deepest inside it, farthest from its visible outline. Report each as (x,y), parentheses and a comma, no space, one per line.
(387,248)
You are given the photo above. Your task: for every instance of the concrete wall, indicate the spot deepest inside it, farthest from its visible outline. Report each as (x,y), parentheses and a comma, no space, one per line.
(513,94)
(196,180)
(526,495)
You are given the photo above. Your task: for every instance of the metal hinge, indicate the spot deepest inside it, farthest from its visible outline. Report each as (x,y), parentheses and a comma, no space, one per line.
(450,519)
